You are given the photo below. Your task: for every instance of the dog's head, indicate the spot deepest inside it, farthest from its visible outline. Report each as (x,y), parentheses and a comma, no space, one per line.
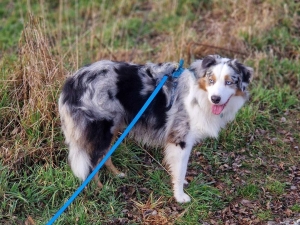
(222,78)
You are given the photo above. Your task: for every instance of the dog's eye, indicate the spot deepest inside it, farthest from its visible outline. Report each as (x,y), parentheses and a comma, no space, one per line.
(211,81)
(228,82)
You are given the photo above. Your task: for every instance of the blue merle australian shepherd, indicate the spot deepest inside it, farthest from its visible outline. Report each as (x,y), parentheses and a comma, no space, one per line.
(100,99)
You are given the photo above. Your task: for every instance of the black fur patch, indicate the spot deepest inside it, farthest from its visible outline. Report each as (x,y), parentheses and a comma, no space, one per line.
(129,94)
(99,137)
(208,62)
(246,74)
(240,69)
(158,108)
(110,95)
(182,144)
(73,89)
(149,73)
(129,86)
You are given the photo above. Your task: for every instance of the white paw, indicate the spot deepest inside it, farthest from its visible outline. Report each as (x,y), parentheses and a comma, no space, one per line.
(185,181)
(121,175)
(182,198)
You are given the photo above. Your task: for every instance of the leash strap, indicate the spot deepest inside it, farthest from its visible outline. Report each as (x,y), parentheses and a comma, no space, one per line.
(117,143)
(174,79)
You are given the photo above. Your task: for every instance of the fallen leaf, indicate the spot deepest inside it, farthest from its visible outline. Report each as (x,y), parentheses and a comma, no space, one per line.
(29,221)
(288,212)
(281,165)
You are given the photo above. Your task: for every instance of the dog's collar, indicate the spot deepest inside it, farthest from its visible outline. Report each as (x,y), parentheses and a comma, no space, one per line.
(175,75)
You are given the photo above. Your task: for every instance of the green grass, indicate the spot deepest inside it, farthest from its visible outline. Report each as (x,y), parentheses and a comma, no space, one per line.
(254,158)
(275,187)
(295,208)
(264,215)
(249,191)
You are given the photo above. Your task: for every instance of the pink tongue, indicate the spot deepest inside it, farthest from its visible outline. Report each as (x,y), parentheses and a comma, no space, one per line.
(217,109)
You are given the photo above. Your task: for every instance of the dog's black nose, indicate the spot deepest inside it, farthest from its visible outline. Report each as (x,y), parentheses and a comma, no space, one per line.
(215,99)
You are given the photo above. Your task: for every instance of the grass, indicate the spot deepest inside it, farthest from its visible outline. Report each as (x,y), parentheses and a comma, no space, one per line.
(264,215)
(295,208)
(254,162)
(249,191)
(275,187)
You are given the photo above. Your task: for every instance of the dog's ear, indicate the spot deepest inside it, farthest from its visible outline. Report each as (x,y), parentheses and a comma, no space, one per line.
(245,72)
(209,61)
(199,67)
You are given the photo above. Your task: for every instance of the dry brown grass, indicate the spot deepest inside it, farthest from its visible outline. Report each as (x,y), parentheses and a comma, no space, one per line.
(33,116)
(152,212)
(221,30)
(38,75)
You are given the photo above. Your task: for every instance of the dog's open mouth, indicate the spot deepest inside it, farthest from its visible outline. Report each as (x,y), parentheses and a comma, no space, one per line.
(217,109)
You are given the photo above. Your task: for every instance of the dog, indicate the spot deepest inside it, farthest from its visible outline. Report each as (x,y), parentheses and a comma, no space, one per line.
(101,99)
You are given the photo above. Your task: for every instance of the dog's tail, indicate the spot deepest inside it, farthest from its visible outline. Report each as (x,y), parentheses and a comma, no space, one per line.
(79,161)
(79,158)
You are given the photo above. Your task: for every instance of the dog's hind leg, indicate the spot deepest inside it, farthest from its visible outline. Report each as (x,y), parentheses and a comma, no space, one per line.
(99,137)
(111,167)
(97,180)
(109,164)
(176,158)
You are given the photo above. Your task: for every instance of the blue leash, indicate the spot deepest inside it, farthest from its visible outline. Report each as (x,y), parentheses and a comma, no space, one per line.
(175,74)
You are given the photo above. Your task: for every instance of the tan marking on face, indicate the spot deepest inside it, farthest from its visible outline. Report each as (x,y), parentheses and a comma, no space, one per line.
(228,78)
(202,83)
(240,93)
(212,77)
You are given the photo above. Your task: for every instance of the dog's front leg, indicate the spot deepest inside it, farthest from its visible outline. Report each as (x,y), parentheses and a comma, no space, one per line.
(176,158)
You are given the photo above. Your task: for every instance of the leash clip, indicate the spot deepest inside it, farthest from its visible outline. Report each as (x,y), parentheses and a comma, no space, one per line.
(179,69)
